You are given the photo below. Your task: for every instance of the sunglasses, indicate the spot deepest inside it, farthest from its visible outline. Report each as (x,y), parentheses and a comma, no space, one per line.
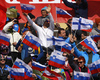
(47,21)
(2,59)
(80,62)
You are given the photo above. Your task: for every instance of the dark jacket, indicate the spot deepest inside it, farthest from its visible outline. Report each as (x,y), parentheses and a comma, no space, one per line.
(4,73)
(75,67)
(81,10)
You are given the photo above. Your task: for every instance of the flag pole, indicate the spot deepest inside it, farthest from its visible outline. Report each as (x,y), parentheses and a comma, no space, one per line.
(78,43)
(56,14)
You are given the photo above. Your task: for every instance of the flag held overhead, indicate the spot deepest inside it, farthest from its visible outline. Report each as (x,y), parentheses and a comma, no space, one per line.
(27,8)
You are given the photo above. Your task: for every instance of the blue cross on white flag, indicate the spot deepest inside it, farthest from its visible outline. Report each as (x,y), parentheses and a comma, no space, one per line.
(82,24)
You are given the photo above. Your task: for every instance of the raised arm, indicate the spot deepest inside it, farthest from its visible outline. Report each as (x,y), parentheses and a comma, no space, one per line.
(51,22)
(51,18)
(35,26)
(84,2)
(70,60)
(69,4)
(7,26)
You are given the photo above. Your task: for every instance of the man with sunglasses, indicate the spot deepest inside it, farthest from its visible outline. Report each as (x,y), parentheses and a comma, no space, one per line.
(77,67)
(44,32)
(4,73)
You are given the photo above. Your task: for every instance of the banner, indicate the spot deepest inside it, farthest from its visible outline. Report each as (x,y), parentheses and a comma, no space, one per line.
(93,12)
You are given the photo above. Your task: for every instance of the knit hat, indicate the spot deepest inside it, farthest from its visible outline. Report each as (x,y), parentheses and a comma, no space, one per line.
(31,15)
(44,8)
(27,59)
(97,20)
(4,47)
(13,7)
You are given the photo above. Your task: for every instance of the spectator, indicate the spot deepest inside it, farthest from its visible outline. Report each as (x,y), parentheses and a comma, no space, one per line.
(4,50)
(68,29)
(61,34)
(4,73)
(89,55)
(43,32)
(28,61)
(40,20)
(81,64)
(80,7)
(96,30)
(28,25)
(26,50)
(14,38)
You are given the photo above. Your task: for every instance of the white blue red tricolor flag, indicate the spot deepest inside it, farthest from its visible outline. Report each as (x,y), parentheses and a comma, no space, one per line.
(81,76)
(28,70)
(38,66)
(82,24)
(17,73)
(62,12)
(51,74)
(32,41)
(27,8)
(4,38)
(96,38)
(66,48)
(89,44)
(56,59)
(94,67)
(55,41)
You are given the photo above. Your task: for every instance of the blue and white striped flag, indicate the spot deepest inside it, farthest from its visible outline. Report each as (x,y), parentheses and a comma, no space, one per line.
(82,24)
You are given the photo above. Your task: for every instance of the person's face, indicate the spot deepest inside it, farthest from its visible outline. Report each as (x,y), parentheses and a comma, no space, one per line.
(75,60)
(83,36)
(47,23)
(33,19)
(44,13)
(89,51)
(63,33)
(2,61)
(30,63)
(81,63)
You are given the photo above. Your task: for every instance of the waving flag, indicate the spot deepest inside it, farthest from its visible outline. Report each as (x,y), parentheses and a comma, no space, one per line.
(27,8)
(51,74)
(96,38)
(81,76)
(82,24)
(38,66)
(57,60)
(55,41)
(94,67)
(32,41)
(28,70)
(66,48)
(4,38)
(62,12)
(89,44)
(16,73)
(3,17)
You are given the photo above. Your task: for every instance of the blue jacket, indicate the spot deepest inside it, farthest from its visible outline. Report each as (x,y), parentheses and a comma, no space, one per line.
(26,50)
(59,47)
(81,10)
(78,53)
